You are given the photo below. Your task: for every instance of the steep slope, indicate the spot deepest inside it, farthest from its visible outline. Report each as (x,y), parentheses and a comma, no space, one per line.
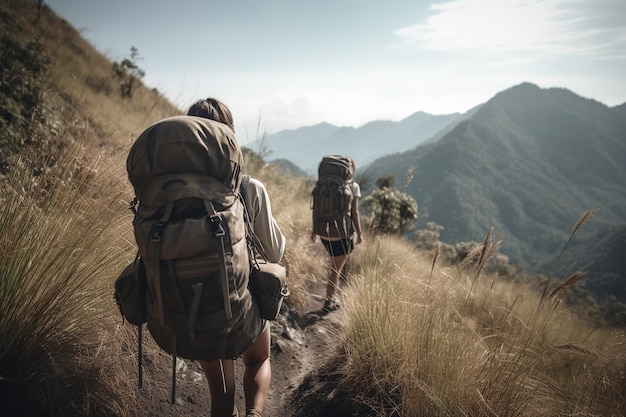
(528,163)
(79,89)
(305,146)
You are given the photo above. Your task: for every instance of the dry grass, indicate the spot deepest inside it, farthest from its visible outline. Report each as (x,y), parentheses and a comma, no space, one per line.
(438,341)
(59,249)
(81,83)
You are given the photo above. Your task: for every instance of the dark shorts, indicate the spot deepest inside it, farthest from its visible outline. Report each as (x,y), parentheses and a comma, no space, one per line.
(338,247)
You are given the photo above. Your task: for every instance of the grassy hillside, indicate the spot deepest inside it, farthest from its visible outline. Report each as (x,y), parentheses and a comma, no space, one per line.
(75,91)
(419,337)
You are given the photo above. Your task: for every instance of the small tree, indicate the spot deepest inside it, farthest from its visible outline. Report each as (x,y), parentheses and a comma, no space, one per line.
(128,73)
(392,211)
(386,181)
(428,238)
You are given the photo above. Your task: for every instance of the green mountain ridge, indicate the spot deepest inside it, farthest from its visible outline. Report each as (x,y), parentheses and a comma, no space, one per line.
(528,163)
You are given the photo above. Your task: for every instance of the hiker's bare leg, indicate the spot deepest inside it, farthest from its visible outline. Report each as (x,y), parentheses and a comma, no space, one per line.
(258,374)
(337,264)
(221,377)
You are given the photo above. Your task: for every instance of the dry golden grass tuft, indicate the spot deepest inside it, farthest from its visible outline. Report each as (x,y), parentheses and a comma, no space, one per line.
(445,341)
(59,251)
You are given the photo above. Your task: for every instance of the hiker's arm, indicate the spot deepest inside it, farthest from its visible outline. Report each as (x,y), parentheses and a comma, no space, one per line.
(265,227)
(313,234)
(354,212)
(356,218)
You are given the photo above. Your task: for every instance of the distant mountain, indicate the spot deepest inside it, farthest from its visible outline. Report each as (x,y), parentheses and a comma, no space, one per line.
(289,167)
(305,146)
(528,162)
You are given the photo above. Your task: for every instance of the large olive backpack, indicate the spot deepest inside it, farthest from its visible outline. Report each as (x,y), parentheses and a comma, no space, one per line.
(190,231)
(332,197)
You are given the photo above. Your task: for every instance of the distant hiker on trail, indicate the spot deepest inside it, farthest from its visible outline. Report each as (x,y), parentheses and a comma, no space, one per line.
(336,217)
(256,356)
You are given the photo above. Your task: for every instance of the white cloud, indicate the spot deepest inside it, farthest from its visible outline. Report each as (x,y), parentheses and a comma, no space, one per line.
(515,26)
(262,116)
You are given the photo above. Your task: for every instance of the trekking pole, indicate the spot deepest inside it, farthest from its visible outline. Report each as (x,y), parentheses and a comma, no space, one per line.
(173,379)
(140,353)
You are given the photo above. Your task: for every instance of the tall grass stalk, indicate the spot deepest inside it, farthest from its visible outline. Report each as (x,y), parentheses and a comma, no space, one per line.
(586,216)
(432,266)
(484,253)
(408,177)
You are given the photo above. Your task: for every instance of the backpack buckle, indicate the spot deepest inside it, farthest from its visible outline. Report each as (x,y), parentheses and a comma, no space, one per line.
(133,205)
(158,230)
(216,222)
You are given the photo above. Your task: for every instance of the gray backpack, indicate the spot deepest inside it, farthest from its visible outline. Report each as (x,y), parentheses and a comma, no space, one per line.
(190,232)
(332,197)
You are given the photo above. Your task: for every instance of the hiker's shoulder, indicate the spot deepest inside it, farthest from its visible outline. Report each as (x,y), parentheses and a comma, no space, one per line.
(255,185)
(255,188)
(356,188)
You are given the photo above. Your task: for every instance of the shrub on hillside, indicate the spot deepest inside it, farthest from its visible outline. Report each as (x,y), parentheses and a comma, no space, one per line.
(391,211)
(128,73)
(24,69)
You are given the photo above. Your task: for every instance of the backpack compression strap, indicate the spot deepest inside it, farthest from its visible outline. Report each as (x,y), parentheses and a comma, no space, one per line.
(220,233)
(154,255)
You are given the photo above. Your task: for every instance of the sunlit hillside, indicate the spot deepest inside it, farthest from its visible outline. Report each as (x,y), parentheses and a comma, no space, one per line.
(79,94)
(419,336)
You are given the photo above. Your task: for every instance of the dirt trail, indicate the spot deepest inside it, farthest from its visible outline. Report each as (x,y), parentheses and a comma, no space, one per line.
(297,356)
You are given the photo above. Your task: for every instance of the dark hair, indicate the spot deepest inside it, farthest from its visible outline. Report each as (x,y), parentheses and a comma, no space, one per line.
(352,165)
(213,109)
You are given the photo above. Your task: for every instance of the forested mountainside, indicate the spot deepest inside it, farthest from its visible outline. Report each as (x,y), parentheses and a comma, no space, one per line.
(529,162)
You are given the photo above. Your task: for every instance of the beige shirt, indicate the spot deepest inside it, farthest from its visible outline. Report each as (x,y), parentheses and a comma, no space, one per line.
(263,223)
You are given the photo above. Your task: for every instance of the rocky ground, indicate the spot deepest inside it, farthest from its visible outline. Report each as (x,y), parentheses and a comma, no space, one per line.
(305,369)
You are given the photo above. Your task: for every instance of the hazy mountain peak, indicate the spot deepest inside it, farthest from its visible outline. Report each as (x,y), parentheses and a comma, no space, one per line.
(305,146)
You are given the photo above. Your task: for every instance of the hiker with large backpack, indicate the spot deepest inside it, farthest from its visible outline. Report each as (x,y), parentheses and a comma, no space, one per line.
(336,219)
(193,229)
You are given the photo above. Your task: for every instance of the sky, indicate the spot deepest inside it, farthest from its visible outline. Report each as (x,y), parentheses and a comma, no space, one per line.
(284,64)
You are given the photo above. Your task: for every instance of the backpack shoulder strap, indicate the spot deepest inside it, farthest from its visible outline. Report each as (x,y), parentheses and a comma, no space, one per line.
(254,246)
(245,182)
